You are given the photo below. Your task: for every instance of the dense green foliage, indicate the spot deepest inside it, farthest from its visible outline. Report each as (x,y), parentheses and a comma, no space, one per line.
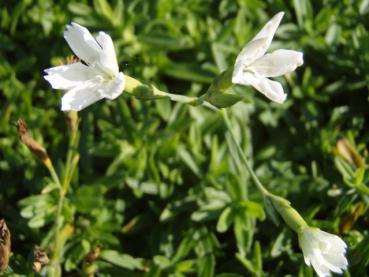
(156,188)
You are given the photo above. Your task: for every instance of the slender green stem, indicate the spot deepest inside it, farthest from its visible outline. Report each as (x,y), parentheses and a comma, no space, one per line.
(55,259)
(71,163)
(292,218)
(256,180)
(52,172)
(149,92)
(55,265)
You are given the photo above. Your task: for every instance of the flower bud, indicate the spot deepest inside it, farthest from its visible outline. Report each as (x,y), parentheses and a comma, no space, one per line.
(93,255)
(89,267)
(349,153)
(40,259)
(28,140)
(4,245)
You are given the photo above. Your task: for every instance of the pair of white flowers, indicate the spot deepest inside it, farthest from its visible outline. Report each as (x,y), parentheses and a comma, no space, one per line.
(96,76)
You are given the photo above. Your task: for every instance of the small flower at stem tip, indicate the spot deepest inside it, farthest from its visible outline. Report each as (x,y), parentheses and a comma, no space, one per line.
(254,67)
(323,251)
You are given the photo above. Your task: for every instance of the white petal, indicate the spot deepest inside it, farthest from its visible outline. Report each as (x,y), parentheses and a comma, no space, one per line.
(107,58)
(307,260)
(269,29)
(257,47)
(324,251)
(68,76)
(80,97)
(271,89)
(338,262)
(335,241)
(112,89)
(251,52)
(278,63)
(320,268)
(319,263)
(82,42)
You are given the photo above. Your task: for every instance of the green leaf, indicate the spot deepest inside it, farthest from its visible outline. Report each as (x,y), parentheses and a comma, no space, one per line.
(89,197)
(166,42)
(225,220)
(189,160)
(253,209)
(224,100)
(206,266)
(228,275)
(246,263)
(189,72)
(103,8)
(162,262)
(122,260)
(79,8)
(359,176)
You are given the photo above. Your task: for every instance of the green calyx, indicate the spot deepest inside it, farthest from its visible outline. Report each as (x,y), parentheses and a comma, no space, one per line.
(219,93)
(292,218)
(149,92)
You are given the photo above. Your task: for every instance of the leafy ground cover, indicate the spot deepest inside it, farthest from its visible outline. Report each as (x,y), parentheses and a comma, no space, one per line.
(156,191)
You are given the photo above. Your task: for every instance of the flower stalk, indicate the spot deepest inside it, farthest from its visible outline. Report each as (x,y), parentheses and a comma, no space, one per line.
(245,162)
(292,218)
(323,251)
(62,231)
(149,92)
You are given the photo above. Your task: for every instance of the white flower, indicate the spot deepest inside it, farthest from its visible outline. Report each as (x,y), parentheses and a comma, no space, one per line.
(324,251)
(253,66)
(95,77)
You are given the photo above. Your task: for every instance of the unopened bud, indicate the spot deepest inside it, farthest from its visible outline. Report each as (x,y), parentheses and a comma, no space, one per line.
(40,259)
(348,221)
(32,144)
(4,245)
(89,267)
(93,255)
(349,153)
